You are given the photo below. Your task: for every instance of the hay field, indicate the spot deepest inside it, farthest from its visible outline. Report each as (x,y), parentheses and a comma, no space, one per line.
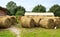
(40,32)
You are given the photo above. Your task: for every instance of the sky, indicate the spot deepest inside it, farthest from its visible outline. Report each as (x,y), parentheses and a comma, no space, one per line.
(30,4)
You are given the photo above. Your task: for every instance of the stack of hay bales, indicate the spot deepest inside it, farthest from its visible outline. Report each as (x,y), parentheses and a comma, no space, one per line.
(39,21)
(47,23)
(5,22)
(27,22)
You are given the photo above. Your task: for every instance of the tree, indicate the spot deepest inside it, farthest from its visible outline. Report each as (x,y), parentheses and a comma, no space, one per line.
(54,7)
(11,7)
(20,10)
(39,8)
(57,12)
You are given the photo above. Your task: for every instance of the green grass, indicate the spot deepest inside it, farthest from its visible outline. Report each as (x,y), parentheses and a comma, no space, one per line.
(40,32)
(6,33)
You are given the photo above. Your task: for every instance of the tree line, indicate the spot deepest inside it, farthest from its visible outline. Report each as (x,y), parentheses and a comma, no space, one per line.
(19,10)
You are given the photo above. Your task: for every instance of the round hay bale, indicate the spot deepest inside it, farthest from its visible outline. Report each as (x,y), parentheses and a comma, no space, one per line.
(57,22)
(37,20)
(47,23)
(5,22)
(13,20)
(27,22)
(54,18)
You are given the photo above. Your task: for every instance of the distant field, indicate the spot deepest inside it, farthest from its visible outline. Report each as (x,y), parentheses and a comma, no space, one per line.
(40,32)
(6,33)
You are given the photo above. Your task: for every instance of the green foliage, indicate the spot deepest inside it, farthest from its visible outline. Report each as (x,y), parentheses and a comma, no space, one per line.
(39,8)
(20,10)
(54,7)
(11,7)
(57,12)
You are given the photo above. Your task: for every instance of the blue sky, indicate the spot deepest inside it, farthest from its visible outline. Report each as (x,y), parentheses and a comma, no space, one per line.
(30,4)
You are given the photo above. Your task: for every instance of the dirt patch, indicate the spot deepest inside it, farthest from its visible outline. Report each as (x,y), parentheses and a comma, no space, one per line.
(15,31)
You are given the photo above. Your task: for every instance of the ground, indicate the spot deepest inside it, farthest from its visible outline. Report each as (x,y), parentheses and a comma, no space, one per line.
(29,32)
(15,30)
(6,33)
(10,32)
(40,32)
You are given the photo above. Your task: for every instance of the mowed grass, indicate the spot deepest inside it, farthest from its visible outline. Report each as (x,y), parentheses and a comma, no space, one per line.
(6,33)
(40,32)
